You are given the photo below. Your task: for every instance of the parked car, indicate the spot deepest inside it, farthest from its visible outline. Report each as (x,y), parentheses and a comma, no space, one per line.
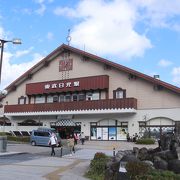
(41,136)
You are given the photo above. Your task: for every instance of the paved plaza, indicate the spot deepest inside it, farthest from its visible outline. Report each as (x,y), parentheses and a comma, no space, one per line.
(23,161)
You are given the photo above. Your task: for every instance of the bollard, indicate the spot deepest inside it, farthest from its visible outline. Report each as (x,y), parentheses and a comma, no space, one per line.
(61,152)
(3,143)
(114,151)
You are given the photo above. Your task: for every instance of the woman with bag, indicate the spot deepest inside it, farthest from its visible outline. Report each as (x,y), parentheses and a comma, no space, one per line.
(53,143)
(70,142)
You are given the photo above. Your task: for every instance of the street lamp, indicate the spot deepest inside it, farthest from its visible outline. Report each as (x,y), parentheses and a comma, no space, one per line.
(2,42)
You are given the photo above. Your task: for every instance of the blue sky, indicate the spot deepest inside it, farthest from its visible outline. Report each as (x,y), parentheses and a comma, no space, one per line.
(141,34)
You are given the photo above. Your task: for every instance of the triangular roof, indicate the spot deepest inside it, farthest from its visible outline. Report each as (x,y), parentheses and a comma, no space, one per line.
(63,47)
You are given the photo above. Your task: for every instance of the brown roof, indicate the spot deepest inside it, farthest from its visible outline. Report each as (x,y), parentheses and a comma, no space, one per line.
(63,47)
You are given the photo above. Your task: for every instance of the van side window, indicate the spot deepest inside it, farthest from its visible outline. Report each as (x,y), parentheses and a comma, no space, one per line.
(46,134)
(39,133)
(35,133)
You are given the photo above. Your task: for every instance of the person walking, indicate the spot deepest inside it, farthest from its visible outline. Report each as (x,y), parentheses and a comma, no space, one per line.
(75,138)
(82,137)
(70,142)
(53,143)
(128,137)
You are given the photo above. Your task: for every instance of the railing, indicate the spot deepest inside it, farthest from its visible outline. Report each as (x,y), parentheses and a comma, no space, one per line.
(126,103)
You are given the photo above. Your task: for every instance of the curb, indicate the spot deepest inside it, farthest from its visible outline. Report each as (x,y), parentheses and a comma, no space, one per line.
(5,154)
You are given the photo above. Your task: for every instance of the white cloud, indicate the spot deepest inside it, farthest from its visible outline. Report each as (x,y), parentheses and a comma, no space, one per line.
(43,7)
(50,35)
(1,32)
(161,13)
(10,72)
(176,75)
(22,53)
(39,1)
(26,11)
(164,63)
(65,11)
(41,10)
(107,27)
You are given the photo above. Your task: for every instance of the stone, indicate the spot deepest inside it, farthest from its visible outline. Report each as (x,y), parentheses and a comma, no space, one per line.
(165,142)
(143,154)
(149,163)
(178,152)
(129,158)
(160,163)
(174,165)
(108,174)
(112,169)
(120,154)
(166,155)
(136,151)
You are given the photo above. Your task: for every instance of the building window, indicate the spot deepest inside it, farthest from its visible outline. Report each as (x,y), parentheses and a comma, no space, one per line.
(119,93)
(55,98)
(22,100)
(30,122)
(89,96)
(49,99)
(82,97)
(96,96)
(75,97)
(68,98)
(39,99)
(61,98)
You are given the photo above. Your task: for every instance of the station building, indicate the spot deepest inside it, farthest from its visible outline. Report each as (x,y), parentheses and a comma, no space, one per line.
(74,91)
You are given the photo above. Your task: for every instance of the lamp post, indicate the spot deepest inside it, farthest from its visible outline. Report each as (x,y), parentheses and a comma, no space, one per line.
(2,94)
(2,42)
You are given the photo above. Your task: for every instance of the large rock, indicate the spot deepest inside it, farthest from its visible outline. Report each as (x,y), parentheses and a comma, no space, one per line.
(178,152)
(130,158)
(166,155)
(149,163)
(174,165)
(143,154)
(160,163)
(165,141)
(136,151)
(121,154)
(112,169)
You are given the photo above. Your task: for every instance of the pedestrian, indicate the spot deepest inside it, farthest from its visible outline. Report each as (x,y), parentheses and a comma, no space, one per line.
(75,138)
(128,137)
(53,143)
(82,137)
(70,142)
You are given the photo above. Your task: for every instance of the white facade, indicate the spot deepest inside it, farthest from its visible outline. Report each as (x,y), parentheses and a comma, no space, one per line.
(158,103)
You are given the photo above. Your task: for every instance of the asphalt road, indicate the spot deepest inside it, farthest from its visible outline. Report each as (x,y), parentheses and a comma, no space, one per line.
(26,152)
(35,163)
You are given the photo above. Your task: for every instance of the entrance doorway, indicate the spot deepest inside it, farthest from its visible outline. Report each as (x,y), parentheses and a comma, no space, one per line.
(66,127)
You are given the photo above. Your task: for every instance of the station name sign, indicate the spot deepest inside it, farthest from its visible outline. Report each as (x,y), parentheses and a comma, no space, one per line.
(62,85)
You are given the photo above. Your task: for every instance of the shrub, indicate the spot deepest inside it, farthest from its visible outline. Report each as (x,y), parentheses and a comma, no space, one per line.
(18,139)
(145,141)
(97,166)
(135,169)
(99,155)
(2,134)
(159,175)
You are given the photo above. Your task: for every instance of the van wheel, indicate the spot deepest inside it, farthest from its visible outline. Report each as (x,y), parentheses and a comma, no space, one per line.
(33,143)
